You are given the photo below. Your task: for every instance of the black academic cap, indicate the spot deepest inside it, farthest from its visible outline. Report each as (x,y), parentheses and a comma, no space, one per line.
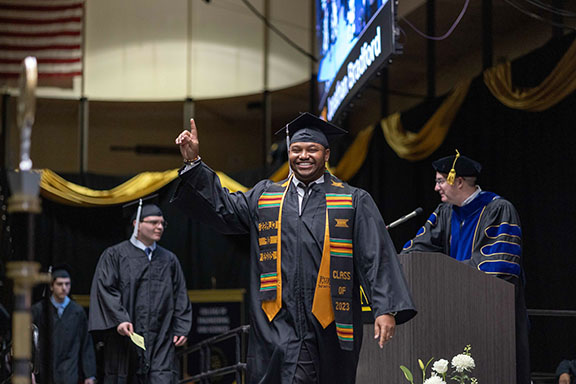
(130,210)
(308,128)
(464,166)
(148,210)
(141,208)
(61,270)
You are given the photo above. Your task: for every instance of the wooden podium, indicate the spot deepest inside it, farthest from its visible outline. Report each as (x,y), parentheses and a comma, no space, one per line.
(457,305)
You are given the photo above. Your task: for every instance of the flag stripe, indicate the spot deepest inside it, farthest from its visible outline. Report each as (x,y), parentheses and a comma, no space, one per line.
(50,30)
(42,61)
(28,21)
(38,35)
(37,7)
(39,47)
(40,28)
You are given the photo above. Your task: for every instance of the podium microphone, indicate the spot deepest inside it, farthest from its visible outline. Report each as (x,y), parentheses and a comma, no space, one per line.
(409,216)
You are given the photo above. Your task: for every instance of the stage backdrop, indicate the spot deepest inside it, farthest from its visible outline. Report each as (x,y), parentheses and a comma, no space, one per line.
(528,158)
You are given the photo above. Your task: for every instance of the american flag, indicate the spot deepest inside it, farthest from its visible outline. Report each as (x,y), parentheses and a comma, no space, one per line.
(50,30)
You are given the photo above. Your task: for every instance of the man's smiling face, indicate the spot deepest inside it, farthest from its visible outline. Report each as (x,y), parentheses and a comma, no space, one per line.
(308,160)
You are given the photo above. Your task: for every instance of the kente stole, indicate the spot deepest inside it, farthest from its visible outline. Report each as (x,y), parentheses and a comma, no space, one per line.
(333,294)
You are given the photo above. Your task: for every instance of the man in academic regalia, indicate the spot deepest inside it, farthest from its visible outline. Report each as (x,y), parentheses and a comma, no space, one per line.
(314,240)
(481,229)
(566,371)
(64,321)
(139,287)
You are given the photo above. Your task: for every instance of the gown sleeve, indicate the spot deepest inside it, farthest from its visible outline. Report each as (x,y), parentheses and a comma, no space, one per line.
(431,237)
(377,264)
(87,354)
(201,196)
(498,244)
(182,317)
(106,308)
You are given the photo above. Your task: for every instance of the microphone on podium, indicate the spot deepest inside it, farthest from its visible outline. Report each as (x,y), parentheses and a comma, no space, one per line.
(407,217)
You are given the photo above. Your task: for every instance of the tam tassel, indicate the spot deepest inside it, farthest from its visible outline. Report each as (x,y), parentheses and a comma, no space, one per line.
(452,175)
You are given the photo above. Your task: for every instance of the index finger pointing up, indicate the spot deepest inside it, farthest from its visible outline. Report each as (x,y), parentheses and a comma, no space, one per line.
(193,129)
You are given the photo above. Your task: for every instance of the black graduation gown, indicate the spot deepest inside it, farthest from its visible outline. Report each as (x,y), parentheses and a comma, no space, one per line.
(72,348)
(435,236)
(151,294)
(274,347)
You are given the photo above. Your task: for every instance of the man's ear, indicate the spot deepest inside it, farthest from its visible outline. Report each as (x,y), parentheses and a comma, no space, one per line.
(459,182)
(327,155)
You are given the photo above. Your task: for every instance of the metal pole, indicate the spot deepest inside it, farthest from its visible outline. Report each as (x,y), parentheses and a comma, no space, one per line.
(266,96)
(313,106)
(188,112)
(431,47)
(189,55)
(4,131)
(487,41)
(83,128)
(384,97)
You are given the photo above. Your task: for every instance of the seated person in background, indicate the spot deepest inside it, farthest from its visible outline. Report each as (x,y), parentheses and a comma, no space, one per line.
(566,371)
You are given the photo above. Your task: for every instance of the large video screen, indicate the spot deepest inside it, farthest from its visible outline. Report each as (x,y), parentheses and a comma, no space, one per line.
(355,38)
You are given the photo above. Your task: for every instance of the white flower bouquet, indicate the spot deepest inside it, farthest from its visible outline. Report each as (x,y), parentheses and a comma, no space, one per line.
(462,365)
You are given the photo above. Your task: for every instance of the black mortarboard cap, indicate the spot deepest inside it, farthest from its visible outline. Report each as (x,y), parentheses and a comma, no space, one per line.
(308,128)
(148,210)
(462,165)
(137,210)
(61,270)
(130,209)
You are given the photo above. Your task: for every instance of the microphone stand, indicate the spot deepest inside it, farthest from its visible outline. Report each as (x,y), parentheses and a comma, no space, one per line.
(405,218)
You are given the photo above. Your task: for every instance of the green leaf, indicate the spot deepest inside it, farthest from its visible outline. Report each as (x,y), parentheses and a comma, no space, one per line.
(407,374)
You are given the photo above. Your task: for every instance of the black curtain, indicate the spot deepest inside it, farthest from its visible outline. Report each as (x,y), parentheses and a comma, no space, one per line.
(528,158)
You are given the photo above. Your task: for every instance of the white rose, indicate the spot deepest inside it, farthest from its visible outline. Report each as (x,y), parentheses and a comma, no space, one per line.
(440,366)
(463,363)
(434,380)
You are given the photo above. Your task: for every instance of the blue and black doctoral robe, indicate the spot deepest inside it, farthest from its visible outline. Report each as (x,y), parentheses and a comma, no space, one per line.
(485,234)
(72,357)
(151,294)
(274,346)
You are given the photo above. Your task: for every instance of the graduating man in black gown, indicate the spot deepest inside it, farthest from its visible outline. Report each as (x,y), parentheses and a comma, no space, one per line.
(314,240)
(138,287)
(72,358)
(481,229)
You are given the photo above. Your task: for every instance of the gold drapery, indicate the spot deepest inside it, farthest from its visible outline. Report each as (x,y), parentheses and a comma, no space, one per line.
(408,145)
(417,146)
(55,188)
(560,83)
(355,155)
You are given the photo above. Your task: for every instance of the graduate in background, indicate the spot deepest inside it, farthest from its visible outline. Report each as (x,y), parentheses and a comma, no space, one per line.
(72,359)
(139,288)
(481,229)
(313,240)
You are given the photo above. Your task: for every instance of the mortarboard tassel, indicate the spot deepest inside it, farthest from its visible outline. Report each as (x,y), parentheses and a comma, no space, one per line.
(452,175)
(138,213)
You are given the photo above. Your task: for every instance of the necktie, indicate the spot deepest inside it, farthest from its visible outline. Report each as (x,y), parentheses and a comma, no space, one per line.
(307,193)
(60,310)
(148,252)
